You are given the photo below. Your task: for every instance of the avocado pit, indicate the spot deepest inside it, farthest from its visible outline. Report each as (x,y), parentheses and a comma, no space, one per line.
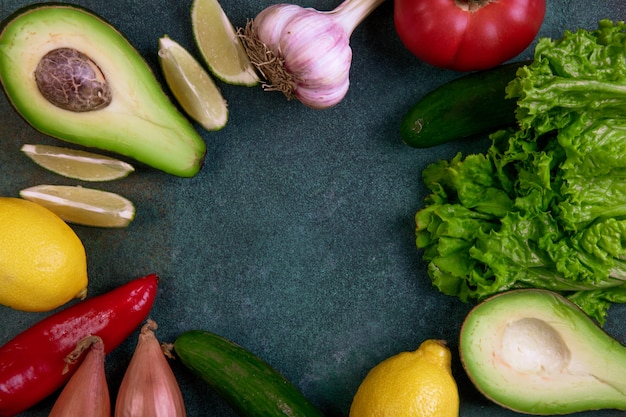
(71,80)
(534,346)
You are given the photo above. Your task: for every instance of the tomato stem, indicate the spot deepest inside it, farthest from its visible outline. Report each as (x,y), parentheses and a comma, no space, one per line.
(472,5)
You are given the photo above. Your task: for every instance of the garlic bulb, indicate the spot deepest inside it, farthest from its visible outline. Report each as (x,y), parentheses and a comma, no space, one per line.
(86,394)
(306,53)
(149,387)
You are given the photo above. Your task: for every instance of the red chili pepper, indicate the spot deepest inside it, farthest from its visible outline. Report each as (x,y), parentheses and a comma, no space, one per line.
(31,364)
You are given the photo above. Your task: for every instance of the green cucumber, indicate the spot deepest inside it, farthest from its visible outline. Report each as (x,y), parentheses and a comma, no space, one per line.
(249,384)
(467,106)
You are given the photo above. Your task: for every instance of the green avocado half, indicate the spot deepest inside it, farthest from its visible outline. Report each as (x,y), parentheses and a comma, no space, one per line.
(535,352)
(73,76)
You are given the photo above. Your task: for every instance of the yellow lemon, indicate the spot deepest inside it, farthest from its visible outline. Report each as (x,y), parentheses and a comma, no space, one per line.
(42,261)
(410,384)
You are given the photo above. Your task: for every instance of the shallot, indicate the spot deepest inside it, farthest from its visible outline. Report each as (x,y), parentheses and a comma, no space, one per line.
(86,394)
(31,364)
(149,387)
(303,52)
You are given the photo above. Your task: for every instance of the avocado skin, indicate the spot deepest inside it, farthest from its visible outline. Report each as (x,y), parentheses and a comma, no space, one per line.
(141,122)
(586,374)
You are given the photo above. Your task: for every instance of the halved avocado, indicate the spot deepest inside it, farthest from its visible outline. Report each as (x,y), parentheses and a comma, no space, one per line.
(137,119)
(535,352)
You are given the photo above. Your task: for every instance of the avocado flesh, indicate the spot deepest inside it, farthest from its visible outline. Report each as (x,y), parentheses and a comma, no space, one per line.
(140,122)
(535,352)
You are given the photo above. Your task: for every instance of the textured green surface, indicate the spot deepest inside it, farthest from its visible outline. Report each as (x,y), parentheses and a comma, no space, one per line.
(296,239)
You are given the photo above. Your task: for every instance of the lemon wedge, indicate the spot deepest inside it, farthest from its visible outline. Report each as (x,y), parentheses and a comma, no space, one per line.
(192,86)
(220,45)
(77,164)
(84,206)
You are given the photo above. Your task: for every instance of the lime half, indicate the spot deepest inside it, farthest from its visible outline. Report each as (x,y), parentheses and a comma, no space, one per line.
(77,164)
(220,45)
(85,206)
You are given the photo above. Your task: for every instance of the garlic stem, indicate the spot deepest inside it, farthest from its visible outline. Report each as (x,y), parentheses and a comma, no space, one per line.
(351,13)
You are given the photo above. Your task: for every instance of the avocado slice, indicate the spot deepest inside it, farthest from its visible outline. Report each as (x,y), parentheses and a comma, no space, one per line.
(119,107)
(535,352)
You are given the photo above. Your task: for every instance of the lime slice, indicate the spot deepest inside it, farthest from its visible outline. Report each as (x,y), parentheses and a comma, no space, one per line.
(85,206)
(74,163)
(220,45)
(192,86)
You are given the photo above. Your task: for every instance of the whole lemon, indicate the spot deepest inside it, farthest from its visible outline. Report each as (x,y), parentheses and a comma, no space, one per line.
(410,384)
(42,261)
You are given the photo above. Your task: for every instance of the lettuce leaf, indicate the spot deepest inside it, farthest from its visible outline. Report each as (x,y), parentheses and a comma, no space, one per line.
(583,72)
(545,205)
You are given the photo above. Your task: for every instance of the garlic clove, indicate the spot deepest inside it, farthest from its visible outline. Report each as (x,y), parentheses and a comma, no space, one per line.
(322,98)
(270,22)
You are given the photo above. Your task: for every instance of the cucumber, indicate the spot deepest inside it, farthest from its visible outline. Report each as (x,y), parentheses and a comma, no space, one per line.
(464,107)
(249,384)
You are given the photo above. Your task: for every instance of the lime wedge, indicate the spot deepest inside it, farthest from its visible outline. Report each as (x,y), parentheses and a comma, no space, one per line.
(77,164)
(220,45)
(85,206)
(192,86)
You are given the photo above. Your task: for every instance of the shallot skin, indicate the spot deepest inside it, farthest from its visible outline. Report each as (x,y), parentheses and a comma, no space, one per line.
(86,394)
(149,387)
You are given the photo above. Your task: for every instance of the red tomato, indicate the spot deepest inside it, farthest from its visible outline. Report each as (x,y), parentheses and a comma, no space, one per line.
(467,35)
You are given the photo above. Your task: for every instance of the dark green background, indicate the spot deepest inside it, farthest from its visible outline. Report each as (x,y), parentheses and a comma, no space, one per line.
(296,238)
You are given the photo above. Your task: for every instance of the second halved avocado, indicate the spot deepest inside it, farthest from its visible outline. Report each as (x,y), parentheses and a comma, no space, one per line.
(71,75)
(535,352)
